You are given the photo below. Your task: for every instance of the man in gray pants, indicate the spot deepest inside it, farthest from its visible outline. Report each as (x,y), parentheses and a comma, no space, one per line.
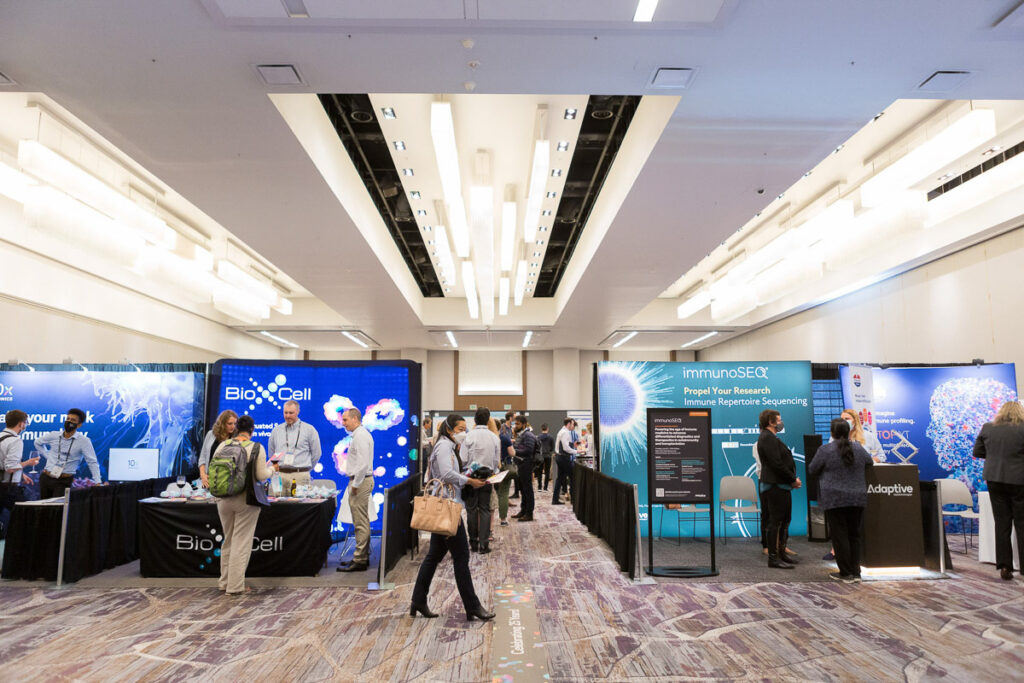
(360,485)
(480,451)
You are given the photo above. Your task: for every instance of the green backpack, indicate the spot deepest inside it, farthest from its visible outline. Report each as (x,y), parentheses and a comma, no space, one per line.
(226,472)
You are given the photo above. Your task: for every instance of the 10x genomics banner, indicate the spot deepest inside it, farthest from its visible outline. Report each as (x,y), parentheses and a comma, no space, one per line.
(387,393)
(736,393)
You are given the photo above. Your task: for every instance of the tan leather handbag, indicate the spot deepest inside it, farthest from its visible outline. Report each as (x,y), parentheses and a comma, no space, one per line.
(436,514)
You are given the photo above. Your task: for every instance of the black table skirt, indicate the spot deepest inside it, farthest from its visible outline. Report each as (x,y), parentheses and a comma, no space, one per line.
(184,539)
(101,532)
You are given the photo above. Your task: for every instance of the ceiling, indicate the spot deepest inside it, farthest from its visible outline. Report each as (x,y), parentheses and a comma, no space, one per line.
(777,87)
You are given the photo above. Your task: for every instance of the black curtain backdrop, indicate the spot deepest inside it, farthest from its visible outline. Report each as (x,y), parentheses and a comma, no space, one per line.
(608,509)
(399,537)
(101,532)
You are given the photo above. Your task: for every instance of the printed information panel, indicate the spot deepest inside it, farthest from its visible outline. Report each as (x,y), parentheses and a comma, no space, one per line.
(679,455)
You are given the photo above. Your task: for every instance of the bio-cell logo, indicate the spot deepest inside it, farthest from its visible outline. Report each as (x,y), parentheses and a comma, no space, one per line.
(6,392)
(856,380)
(209,546)
(274,393)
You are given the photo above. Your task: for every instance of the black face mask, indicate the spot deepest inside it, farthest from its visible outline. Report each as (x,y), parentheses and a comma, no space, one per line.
(70,426)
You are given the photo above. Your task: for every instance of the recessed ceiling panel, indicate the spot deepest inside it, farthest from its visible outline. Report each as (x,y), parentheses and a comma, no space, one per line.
(589,11)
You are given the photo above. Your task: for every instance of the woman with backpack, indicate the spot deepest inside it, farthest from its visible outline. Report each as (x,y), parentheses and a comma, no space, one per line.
(237,517)
(223,429)
(444,466)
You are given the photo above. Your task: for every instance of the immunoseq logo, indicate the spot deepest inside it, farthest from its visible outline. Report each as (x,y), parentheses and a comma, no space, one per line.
(891,489)
(275,392)
(742,372)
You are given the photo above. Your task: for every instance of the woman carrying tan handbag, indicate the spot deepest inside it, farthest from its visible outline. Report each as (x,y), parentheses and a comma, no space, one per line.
(444,466)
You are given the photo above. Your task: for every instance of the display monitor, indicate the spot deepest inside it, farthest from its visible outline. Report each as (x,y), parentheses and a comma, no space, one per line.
(134,464)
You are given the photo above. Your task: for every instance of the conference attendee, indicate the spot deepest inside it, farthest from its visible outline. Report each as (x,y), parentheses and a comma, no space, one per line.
(481,450)
(12,449)
(864,437)
(507,464)
(223,429)
(65,450)
(1001,444)
(526,449)
(778,479)
(443,465)
(238,518)
(295,445)
(764,505)
(565,451)
(840,466)
(547,449)
(426,438)
(360,486)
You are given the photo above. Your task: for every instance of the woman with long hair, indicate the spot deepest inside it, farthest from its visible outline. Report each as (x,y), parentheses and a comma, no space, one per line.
(223,429)
(1001,444)
(444,466)
(840,466)
(864,437)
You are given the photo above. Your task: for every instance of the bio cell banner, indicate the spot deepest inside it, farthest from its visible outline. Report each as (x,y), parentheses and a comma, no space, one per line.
(931,416)
(123,410)
(387,393)
(736,393)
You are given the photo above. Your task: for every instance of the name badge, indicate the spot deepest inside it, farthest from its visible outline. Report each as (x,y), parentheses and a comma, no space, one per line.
(289,459)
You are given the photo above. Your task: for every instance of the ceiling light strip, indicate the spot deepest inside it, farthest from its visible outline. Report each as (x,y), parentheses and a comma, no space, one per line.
(442,132)
(446,264)
(698,340)
(520,288)
(645,10)
(538,180)
(351,337)
(508,235)
(451,339)
(504,285)
(279,340)
(527,337)
(624,339)
(469,284)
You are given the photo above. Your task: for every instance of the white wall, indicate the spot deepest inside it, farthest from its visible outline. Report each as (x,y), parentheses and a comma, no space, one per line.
(540,380)
(967,305)
(439,381)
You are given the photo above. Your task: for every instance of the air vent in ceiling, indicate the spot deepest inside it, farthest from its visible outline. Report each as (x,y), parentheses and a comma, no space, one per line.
(995,157)
(279,74)
(944,81)
(672,78)
(6,80)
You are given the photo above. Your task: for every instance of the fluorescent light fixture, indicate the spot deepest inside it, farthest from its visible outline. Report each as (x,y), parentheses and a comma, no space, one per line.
(508,235)
(399,145)
(481,211)
(442,133)
(545,212)
(451,339)
(535,196)
(698,340)
(942,149)
(542,228)
(540,243)
(570,114)
(421,212)
(992,150)
(283,306)
(232,274)
(415,194)
(556,173)
(202,257)
(408,172)
(279,340)
(995,182)
(697,302)
(504,285)
(527,337)
(536,254)
(71,221)
(14,183)
(552,194)
(645,10)
(562,146)
(426,228)
(446,263)
(624,339)
(520,287)
(188,277)
(388,112)
(351,337)
(469,284)
(734,303)
(233,302)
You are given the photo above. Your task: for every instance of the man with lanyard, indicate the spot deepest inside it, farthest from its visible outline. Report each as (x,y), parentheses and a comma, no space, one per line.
(778,479)
(295,446)
(565,451)
(11,451)
(64,453)
(481,447)
(359,468)
(526,447)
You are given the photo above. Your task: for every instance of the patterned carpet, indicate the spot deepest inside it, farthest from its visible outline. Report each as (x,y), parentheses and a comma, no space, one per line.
(596,625)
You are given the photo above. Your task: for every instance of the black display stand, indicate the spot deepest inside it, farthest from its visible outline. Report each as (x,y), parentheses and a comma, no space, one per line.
(812,442)
(679,470)
(892,519)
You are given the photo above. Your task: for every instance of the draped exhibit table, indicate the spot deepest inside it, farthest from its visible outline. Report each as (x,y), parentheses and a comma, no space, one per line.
(101,531)
(179,538)
(987,533)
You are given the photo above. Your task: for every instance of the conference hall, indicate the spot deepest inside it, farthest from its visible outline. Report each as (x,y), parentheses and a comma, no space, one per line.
(509,341)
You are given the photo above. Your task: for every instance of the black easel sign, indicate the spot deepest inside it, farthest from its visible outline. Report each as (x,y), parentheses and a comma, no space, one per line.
(679,455)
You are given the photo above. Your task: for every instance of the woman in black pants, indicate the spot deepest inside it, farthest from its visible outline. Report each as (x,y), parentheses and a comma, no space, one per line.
(840,466)
(1001,444)
(444,465)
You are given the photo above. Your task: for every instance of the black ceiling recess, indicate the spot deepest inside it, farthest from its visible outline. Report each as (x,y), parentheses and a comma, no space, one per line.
(356,123)
(604,125)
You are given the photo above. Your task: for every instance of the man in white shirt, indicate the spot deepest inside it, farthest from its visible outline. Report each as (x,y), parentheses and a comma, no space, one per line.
(298,445)
(11,448)
(482,447)
(565,451)
(64,453)
(360,485)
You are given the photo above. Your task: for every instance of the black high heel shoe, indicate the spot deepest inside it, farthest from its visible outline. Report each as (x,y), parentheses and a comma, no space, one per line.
(479,613)
(422,609)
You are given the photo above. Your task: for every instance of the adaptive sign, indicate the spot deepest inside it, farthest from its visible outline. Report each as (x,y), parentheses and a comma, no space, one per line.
(679,455)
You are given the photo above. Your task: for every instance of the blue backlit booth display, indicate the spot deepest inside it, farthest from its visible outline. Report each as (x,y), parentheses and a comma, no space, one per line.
(386,392)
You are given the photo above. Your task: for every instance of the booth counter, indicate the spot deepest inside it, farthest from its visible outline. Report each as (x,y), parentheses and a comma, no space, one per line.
(893,518)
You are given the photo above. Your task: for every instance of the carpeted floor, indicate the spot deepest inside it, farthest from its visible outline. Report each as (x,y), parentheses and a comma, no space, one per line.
(594,622)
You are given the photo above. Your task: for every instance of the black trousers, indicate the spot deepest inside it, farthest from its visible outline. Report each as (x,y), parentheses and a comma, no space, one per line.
(564,463)
(51,487)
(844,530)
(764,521)
(10,493)
(779,504)
(545,474)
(440,546)
(1007,512)
(526,489)
(478,513)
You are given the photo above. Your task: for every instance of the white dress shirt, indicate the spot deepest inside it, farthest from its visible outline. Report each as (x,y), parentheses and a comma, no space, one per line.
(11,450)
(563,442)
(360,456)
(300,439)
(67,454)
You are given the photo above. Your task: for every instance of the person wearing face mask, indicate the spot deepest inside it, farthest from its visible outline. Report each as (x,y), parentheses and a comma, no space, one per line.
(527,448)
(444,466)
(778,479)
(64,452)
(864,437)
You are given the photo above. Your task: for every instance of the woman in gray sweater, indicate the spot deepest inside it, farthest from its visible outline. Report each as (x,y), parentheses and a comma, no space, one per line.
(840,466)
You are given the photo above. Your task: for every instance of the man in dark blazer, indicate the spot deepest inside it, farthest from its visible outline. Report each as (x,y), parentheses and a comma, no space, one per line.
(778,479)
